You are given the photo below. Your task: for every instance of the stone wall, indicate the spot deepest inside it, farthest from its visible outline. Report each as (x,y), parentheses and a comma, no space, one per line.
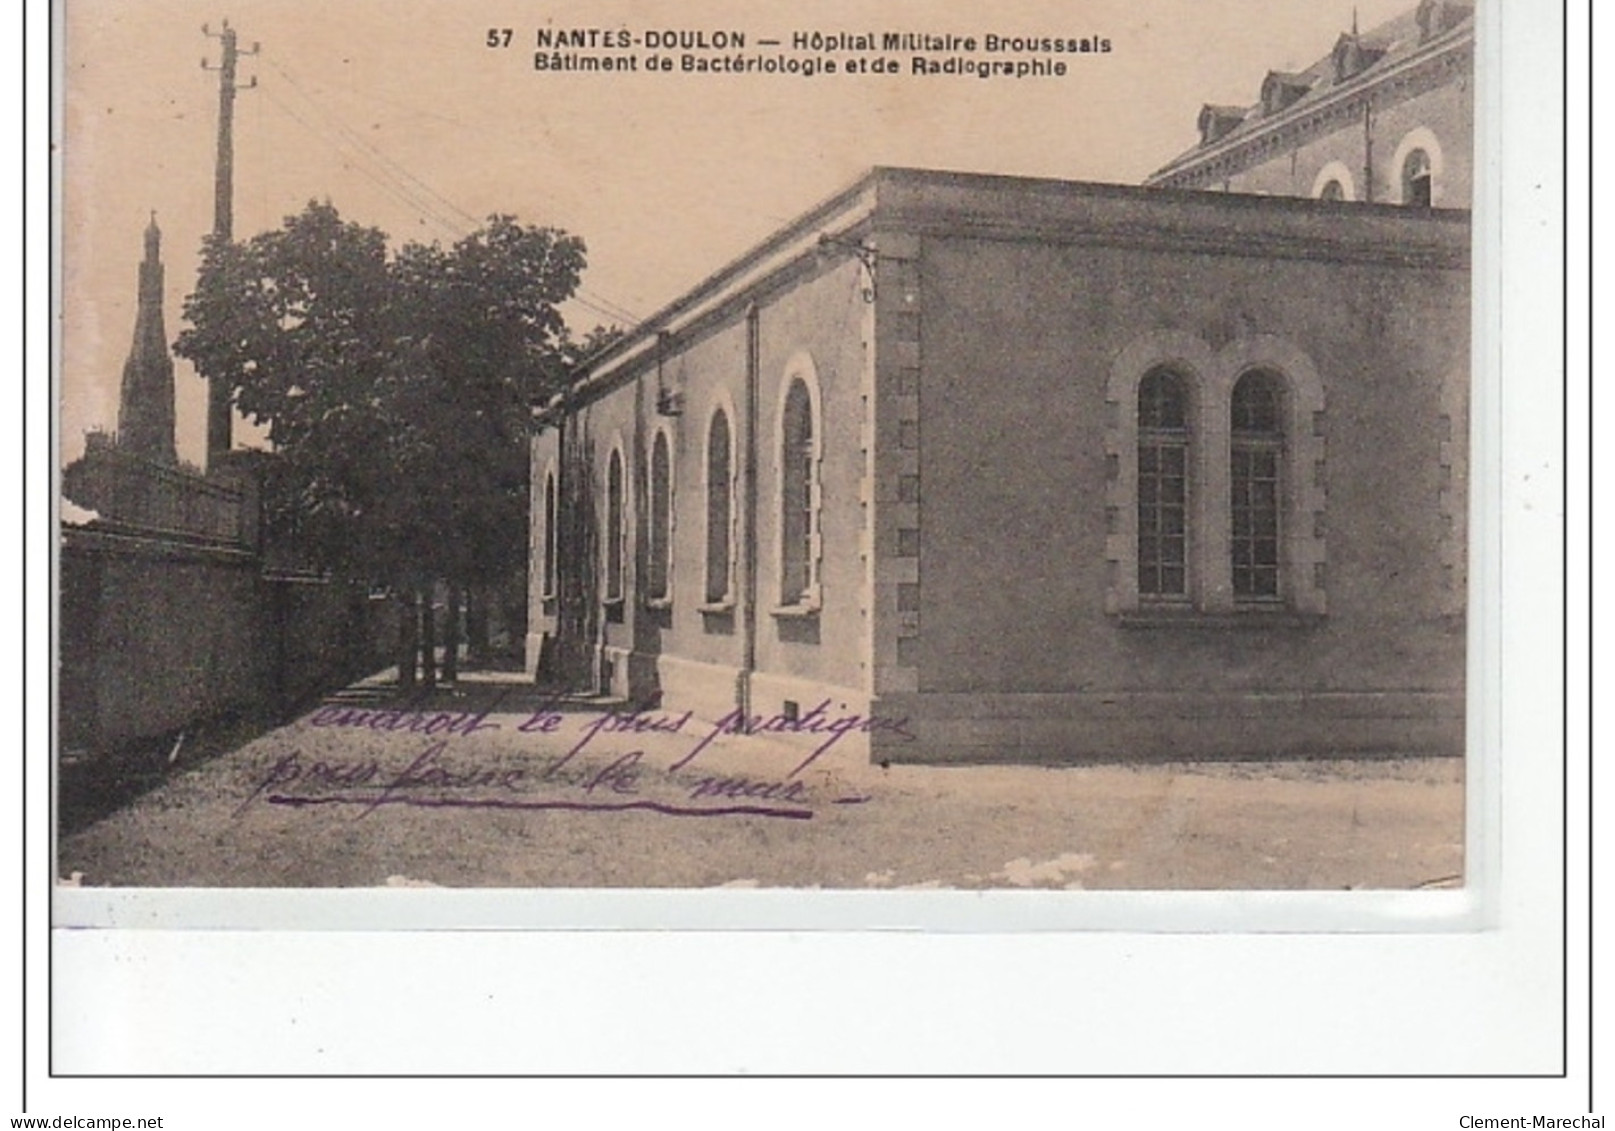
(169,615)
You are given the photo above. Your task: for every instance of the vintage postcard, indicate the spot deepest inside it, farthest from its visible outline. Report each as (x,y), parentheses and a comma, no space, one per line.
(849,446)
(970,471)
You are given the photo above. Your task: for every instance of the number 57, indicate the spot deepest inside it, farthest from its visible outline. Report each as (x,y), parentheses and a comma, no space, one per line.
(499,37)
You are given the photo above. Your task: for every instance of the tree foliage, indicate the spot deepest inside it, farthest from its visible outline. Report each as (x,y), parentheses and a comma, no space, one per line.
(395,389)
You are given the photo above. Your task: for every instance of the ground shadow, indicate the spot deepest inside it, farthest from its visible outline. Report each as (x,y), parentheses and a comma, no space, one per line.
(90,787)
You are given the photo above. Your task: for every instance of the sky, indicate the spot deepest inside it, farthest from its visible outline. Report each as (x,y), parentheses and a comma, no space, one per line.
(403,117)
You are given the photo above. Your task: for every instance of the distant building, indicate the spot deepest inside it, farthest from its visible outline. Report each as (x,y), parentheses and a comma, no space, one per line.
(1050,470)
(146,396)
(173,610)
(133,479)
(1386,117)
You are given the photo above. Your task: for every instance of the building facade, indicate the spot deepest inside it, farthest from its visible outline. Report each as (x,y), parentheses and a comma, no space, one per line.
(1046,470)
(1386,117)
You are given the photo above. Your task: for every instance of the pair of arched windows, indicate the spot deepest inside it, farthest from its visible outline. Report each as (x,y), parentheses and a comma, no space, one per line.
(615,533)
(1418,184)
(659,528)
(1413,171)
(798,513)
(798,502)
(1166,472)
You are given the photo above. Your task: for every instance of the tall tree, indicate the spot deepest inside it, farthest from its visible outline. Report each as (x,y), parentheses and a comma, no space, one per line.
(484,335)
(297,323)
(395,390)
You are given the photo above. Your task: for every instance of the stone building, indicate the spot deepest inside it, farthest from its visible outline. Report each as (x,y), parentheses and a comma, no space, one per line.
(1049,470)
(1386,117)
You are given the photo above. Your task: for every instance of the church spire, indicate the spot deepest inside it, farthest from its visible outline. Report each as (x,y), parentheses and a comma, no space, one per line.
(146,402)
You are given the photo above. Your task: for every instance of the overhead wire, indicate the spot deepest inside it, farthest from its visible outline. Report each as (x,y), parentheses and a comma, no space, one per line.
(420,196)
(608,308)
(440,203)
(445,226)
(427,200)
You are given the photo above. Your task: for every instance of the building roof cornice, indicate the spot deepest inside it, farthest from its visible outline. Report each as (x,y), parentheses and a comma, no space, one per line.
(797,241)
(1297,120)
(1008,208)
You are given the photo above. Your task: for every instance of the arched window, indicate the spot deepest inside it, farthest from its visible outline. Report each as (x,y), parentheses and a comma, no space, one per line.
(1216,491)
(720,509)
(661,519)
(1417,183)
(614,528)
(1334,182)
(796,496)
(1163,485)
(1256,484)
(550,534)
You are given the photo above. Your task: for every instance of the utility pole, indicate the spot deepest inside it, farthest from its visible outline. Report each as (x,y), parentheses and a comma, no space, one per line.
(218,400)
(1368,149)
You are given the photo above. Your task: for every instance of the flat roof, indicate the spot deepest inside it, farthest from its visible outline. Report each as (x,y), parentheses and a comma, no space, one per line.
(1002,206)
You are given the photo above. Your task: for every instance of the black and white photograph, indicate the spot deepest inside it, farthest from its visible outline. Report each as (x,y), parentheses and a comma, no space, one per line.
(765,451)
(738,537)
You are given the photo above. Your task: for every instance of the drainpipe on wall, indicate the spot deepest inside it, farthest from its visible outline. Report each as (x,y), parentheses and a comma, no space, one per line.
(1368,150)
(562,641)
(637,474)
(748,542)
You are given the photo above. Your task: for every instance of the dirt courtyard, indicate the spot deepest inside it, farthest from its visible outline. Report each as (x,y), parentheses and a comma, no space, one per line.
(491,787)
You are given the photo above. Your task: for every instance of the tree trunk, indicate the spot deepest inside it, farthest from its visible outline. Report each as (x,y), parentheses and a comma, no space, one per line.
(428,639)
(357,639)
(478,647)
(406,640)
(513,595)
(578,624)
(451,636)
